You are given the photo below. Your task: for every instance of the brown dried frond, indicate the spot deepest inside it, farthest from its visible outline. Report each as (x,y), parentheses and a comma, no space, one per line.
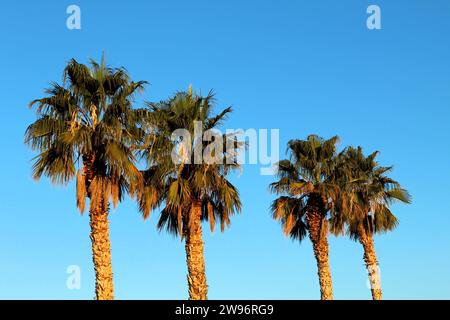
(324,229)
(288,224)
(106,184)
(180,222)
(115,193)
(224,221)
(277,213)
(94,118)
(81,191)
(211,219)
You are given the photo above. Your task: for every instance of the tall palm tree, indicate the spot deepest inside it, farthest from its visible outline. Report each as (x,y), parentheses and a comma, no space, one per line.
(308,192)
(192,191)
(364,206)
(86,128)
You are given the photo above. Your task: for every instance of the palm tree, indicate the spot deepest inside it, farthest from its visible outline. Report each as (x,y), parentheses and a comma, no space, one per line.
(192,191)
(308,190)
(87,128)
(364,206)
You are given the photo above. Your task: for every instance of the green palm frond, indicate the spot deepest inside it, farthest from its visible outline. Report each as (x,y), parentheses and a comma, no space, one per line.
(307,174)
(181,184)
(367,194)
(89,116)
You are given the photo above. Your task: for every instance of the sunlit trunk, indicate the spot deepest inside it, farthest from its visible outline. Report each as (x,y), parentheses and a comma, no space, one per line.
(371,261)
(101,245)
(198,289)
(317,226)
(101,253)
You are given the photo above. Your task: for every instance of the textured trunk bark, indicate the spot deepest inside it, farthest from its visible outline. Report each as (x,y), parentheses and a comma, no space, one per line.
(101,253)
(101,245)
(371,261)
(198,289)
(317,227)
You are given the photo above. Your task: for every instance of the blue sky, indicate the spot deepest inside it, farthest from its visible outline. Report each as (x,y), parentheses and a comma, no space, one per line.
(299,66)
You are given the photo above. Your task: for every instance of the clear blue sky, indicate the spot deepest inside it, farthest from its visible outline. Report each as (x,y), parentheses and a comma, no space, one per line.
(300,66)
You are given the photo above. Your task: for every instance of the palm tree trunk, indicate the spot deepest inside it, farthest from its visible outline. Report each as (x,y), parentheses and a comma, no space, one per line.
(101,253)
(317,227)
(198,289)
(371,261)
(101,245)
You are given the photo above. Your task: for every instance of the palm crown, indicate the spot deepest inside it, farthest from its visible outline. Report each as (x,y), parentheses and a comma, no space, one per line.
(305,180)
(89,118)
(366,194)
(184,183)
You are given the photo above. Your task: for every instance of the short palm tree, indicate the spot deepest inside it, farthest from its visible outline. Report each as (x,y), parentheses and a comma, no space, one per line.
(87,128)
(364,206)
(307,192)
(192,191)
